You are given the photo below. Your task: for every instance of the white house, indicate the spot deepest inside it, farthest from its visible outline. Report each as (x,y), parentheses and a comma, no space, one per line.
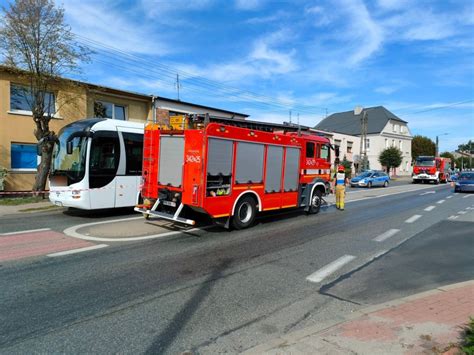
(384,129)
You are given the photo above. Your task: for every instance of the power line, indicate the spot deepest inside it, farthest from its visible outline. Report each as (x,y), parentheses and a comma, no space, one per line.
(443,107)
(200,82)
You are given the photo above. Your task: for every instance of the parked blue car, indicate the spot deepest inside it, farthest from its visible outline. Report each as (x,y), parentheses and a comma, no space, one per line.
(465,182)
(371,178)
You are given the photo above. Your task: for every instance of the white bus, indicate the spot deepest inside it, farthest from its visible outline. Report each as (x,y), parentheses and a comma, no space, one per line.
(97,163)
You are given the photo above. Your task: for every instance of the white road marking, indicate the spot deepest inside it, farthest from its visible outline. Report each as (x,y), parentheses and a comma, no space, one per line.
(441,201)
(466,196)
(430,208)
(75,251)
(72,232)
(427,193)
(28,231)
(450,196)
(413,218)
(462,212)
(386,235)
(330,268)
(453,217)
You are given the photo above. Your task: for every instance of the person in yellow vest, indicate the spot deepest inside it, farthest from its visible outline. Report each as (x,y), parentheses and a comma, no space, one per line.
(340,187)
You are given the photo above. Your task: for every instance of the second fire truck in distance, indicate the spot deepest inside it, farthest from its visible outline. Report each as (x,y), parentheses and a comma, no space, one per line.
(431,169)
(231,170)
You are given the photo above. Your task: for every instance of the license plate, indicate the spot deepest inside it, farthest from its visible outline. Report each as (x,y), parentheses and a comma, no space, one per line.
(169,203)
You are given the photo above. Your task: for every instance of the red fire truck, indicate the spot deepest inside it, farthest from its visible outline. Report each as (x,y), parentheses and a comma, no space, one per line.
(431,169)
(232,169)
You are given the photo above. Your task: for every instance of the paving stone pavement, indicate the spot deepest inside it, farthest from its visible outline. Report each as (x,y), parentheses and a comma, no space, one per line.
(427,323)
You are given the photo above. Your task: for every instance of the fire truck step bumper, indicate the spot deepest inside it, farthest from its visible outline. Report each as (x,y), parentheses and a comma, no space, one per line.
(166,216)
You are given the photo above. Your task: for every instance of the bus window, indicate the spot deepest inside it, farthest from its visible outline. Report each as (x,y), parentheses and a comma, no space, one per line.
(309,150)
(324,152)
(133,152)
(104,158)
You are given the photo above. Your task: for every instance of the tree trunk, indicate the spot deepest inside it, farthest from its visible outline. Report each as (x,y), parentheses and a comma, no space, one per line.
(44,166)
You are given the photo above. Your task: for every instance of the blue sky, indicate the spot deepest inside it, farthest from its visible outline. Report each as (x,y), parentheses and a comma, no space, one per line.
(264,57)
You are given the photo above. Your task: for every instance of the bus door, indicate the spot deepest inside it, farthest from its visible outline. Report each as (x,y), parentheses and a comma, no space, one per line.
(103,165)
(129,171)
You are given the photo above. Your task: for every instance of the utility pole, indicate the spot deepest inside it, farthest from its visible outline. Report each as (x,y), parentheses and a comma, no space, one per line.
(178,85)
(298,121)
(290,117)
(358,110)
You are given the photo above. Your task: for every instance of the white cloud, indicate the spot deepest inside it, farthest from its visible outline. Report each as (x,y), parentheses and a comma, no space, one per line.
(267,19)
(364,35)
(248,4)
(104,23)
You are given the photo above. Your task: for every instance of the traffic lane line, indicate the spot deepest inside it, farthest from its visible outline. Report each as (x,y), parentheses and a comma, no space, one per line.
(20,246)
(75,251)
(330,268)
(430,208)
(450,196)
(27,231)
(453,217)
(413,218)
(427,193)
(388,234)
(462,212)
(440,201)
(466,196)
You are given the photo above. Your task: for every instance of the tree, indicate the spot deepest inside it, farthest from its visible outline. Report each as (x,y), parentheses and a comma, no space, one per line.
(41,47)
(391,158)
(347,166)
(421,145)
(448,155)
(468,147)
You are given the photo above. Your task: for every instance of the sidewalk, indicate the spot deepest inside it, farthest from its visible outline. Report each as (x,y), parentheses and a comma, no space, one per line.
(427,323)
(25,208)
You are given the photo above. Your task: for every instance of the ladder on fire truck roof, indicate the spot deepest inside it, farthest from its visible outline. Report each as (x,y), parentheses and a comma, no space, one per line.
(255,125)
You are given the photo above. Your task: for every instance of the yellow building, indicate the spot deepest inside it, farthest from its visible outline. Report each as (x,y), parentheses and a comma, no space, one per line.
(71,101)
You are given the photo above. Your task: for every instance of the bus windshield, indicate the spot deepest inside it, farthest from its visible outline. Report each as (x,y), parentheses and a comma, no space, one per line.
(425,162)
(70,165)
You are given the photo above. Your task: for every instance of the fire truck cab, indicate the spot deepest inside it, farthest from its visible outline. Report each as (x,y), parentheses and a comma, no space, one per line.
(431,169)
(231,170)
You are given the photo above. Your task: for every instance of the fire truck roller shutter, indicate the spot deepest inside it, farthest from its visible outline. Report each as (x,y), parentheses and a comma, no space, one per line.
(171,160)
(292,163)
(249,164)
(274,165)
(219,157)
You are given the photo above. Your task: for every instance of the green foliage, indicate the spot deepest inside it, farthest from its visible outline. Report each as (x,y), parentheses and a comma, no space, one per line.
(421,145)
(468,341)
(468,147)
(448,155)
(391,157)
(3,174)
(347,167)
(15,201)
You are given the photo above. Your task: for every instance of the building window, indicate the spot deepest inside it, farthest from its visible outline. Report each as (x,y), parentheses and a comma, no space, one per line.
(349,147)
(23,156)
(21,100)
(386,143)
(400,143)
(393,142)
(104,109)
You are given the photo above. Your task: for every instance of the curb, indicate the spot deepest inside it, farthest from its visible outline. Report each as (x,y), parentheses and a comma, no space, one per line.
(298,335)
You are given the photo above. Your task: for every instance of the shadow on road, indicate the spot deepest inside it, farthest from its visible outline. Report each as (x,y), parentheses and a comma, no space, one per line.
(163,341)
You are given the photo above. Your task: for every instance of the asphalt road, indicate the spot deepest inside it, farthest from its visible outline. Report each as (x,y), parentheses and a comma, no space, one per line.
(216,291)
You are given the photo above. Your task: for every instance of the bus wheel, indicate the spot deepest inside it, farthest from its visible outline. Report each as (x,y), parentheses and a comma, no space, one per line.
(315,203)
(244,213)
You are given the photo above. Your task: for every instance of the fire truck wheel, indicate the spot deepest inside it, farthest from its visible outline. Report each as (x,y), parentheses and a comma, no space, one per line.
(244,213)
(316,200)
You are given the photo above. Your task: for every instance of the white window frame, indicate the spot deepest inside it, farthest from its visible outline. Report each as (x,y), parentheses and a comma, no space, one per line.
(113,109)
(29,112)
(25,170)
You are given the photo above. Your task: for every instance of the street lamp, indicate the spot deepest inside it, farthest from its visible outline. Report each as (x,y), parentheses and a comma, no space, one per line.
(442,134)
